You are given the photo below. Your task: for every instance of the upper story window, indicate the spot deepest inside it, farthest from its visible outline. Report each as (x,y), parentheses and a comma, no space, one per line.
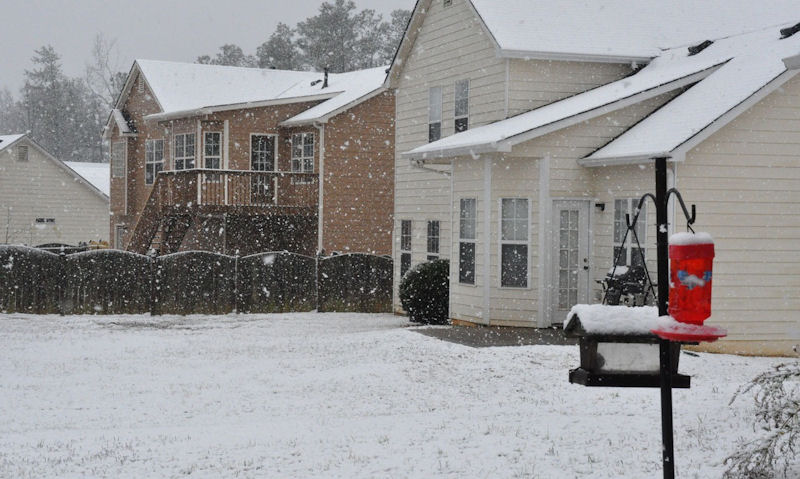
(626,253)
(433,240)
(434,113)
(462,106)
(212,150)
(22,153)
(514,242)
(184,151)
(468,217)
(118,153)
(262,152)
(303,153)
(153,160)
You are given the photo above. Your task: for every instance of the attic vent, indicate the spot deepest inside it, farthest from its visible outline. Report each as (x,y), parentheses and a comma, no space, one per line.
(694,50)
(22,153)
(789,31)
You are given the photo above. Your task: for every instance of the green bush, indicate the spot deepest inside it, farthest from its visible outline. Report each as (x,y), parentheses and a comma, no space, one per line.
(425,292)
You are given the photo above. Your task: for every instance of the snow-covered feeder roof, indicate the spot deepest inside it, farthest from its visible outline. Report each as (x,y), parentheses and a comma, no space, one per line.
(687,238)
(607,320)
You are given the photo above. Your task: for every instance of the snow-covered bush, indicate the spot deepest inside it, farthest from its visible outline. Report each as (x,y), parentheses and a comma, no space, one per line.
(776,452)
(425,292)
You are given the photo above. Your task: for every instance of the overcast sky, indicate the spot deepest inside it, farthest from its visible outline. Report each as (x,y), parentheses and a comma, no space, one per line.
(179,30)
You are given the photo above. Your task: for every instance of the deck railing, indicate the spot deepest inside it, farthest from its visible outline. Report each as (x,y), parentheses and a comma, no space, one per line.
(202,187)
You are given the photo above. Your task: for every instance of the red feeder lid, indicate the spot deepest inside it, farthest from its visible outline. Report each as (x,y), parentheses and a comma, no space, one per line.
(693,333)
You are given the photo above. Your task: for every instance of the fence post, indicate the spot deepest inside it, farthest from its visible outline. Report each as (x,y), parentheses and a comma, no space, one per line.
(153,284)
(236,283)
(318,263)
(62,266)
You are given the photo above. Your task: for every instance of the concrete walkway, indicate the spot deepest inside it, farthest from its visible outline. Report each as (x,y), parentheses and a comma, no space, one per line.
(484,337)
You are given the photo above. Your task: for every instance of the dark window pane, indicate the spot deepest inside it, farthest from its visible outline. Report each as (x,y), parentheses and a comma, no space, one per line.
(405,235)
(405,263)
(619,256)
(462,124)
(514,271)
(466,263)
(636,257)
(434,132)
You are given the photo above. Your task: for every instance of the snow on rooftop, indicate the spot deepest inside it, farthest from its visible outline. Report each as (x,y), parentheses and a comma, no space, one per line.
(616,320)
(98,174)
(688,114)
(624,28)
(7,140)
(762,51)
(187,87)
(353,85)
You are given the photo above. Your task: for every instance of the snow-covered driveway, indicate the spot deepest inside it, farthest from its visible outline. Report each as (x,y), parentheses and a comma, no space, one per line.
(333,395)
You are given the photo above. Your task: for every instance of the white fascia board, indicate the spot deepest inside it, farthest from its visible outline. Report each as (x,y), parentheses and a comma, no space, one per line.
(682,149)
(625,160)
(446,154)
(329,115)
(573,57)
(792,63)
(207,110)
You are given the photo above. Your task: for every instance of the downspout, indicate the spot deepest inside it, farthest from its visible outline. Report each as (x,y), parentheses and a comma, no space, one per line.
(321,201)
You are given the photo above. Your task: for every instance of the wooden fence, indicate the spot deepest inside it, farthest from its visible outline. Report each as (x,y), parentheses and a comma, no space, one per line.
(196,282)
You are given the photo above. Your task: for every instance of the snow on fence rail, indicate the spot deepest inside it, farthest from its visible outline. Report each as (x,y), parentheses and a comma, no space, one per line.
(195,282)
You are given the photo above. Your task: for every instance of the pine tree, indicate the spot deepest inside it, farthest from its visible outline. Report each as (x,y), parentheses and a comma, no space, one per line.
(280,50)
(229,55)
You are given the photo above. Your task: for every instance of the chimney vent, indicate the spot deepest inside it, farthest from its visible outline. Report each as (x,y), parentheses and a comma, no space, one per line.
(789,31)
(325,82)
(694,50)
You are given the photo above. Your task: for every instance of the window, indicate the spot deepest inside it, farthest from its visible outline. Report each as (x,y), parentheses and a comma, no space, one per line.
(212,150)
(514,242)
(434,114)
(433,240)
(118,149)
(627,253)
(303,153)
(119,236)
(184,151)
(22,153)
(262,152)
(153,160)
(462,106)
(466,244)
(405,247)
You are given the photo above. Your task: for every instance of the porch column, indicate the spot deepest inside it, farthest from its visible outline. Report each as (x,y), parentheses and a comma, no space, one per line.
(487,237)
(544,227)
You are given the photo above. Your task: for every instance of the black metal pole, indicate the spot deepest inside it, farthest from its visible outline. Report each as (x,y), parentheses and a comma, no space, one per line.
(662,241)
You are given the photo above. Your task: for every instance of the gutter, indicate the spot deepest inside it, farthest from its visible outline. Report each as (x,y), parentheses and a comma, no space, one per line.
(575,57)
(624,160)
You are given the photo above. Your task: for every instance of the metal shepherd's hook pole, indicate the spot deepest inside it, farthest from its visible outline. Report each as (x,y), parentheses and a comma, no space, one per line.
(665,358)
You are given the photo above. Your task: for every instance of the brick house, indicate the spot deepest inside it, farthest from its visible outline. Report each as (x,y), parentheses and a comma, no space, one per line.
(243,160)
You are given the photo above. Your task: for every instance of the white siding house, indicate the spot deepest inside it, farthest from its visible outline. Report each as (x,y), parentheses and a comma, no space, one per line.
(42,200)
(565,116)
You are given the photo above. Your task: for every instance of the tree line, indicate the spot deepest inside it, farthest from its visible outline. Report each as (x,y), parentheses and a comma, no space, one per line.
(66,115)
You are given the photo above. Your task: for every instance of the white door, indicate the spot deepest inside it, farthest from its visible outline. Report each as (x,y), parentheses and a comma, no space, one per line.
(570,260)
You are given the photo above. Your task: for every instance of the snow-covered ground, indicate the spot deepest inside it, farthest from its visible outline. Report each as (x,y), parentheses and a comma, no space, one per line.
(334,395)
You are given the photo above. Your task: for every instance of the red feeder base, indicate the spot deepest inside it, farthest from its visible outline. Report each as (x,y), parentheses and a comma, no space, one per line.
(690,333)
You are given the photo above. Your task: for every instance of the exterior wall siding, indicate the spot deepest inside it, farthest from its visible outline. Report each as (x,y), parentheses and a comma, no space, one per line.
(38,188)
(745,181)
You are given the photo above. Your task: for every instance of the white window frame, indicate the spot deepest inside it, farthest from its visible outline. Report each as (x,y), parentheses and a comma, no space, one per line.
(274,150)
(466,240)
(406,241)
(185,157)
(119,170)
(433,255)
(465,114)
(302,163)
(150,158)
(207,157)
(119,233)
(502,241)
(641,230)
(435,109)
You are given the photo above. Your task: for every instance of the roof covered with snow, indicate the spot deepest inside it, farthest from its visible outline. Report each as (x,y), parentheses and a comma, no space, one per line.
(734,68)
(7,140)
(623,28)
(98,174)
(186,88)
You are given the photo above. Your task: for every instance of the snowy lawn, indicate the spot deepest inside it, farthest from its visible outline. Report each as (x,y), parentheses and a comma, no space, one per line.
(334,395)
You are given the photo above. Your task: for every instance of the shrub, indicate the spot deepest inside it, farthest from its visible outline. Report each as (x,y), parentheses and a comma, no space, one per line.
(425,292)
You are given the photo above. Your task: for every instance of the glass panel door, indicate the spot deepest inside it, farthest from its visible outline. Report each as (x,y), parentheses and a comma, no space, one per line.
(570,272)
